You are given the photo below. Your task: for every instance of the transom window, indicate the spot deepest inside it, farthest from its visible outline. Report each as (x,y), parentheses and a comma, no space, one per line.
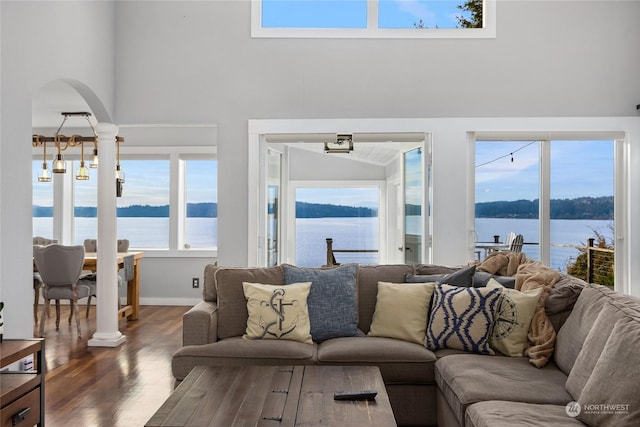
(373,18)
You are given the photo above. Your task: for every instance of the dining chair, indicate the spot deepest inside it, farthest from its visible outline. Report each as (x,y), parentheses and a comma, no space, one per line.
(37,281)
(509,238)
(516,243)
(59,267)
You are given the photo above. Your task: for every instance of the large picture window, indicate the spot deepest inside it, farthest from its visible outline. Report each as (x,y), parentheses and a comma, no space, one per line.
(579,196)
(373,18)
(144,213)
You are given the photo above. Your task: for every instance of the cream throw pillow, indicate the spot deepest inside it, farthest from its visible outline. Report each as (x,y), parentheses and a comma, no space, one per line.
(513,318)
(401,311)
(278,312)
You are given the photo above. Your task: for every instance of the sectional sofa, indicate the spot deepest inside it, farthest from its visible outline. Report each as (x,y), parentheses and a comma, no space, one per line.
(581,363)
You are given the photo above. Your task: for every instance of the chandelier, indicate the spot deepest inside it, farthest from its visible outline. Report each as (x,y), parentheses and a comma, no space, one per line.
(61,143)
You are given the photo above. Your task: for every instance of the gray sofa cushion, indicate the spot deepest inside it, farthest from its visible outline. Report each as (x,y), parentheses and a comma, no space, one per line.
(462,277)
(368,278)
(469,378)
(562,298)
(434,269)
(592,348)
(481,279)
(238,351)
(400,362)
(209,292)
(232,305)
(332,302)
(499,413)
(610,397)
(571,336)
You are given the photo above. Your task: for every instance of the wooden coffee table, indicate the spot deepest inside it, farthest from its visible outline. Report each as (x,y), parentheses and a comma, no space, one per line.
(275,396)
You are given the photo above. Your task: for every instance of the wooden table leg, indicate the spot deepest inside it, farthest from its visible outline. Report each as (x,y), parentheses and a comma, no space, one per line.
(133,293)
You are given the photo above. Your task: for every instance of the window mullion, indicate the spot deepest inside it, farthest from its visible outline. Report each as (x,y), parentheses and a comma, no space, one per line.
(372,15)
(176,205)
(545,202)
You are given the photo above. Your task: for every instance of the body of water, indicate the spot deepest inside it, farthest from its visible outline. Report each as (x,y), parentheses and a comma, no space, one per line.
(564,232)
(200,233)
(347,233)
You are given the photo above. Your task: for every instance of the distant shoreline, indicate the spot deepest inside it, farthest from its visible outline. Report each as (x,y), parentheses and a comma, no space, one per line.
(600,208)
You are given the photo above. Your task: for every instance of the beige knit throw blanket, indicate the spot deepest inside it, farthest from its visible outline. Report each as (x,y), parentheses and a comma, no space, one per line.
(542,335)
(503,263)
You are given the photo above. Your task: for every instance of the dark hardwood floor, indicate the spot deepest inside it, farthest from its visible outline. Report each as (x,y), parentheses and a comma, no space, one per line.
(98,386)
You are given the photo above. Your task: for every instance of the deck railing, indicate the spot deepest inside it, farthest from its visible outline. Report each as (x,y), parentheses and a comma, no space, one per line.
(331,259)
(600,268)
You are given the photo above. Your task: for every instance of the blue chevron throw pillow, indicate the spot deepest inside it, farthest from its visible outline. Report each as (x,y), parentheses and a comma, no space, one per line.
(461,318)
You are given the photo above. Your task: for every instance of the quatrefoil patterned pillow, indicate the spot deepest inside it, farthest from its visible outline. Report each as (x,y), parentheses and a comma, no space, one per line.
(461,318)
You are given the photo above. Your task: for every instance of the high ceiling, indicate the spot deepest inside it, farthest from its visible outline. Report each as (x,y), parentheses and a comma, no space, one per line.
(54,98)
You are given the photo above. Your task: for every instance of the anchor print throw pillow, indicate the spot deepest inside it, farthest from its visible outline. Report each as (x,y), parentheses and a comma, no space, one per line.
(278,312)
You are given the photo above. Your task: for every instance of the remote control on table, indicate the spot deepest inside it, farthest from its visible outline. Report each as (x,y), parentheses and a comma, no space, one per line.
(355,395)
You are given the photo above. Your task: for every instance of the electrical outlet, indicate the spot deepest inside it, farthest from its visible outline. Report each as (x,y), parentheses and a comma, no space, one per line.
(195,282)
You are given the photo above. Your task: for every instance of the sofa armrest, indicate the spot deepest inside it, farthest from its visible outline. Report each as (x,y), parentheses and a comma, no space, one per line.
(200,324)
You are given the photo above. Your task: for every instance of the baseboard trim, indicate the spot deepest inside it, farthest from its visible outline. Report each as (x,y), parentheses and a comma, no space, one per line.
(168,301)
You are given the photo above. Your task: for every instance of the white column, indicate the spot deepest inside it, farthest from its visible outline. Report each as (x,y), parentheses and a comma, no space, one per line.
(107,333)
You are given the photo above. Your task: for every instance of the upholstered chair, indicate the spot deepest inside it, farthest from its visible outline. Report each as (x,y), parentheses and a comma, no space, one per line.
(59,267)
(37,282)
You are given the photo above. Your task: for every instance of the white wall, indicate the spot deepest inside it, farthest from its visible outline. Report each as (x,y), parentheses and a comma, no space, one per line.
(167,281)
(41,42)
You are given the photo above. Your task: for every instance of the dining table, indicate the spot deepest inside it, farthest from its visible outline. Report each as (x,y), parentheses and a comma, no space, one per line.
(131,309)
(490,247)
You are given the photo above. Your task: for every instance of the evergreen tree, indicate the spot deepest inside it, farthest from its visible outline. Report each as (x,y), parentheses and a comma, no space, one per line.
(474,7)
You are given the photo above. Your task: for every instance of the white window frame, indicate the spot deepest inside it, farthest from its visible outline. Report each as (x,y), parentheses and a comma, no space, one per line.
(372,31)
(621,200)
(63,195)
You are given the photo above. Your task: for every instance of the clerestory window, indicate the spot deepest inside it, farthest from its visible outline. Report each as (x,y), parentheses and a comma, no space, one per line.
(373,18)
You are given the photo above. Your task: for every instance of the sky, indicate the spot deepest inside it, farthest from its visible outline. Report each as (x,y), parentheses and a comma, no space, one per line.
(146,183)
(578,168)
(366,197)
(353,13)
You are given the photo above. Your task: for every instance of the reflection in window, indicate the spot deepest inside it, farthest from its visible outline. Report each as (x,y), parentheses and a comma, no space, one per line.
(314,14)
(201,195)
(582,188)
(143,209)
(373,18)
(507,192)
(581,195)
(42,205)
(347,215)
(435,14)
